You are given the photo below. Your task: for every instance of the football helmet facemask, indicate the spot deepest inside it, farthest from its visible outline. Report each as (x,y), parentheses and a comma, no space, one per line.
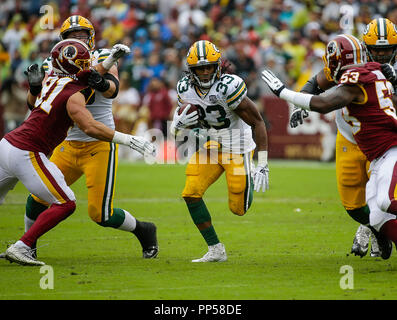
(343,50)
(77,23)
(204,53)
(70,56)
(380,35)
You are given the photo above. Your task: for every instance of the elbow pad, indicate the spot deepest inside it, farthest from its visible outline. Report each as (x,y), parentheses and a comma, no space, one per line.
(111,77)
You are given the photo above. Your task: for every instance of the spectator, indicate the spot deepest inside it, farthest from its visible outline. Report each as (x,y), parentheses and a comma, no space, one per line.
(158,101)
(113,32)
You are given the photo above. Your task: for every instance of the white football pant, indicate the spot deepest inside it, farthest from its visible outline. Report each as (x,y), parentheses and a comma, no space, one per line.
(381,188)
(40,176)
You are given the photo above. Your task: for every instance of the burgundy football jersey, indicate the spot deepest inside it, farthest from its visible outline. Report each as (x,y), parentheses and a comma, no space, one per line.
(49,122)
(374,121)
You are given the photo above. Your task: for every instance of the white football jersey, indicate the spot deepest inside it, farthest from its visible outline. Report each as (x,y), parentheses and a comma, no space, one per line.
(99,106)
(217,108)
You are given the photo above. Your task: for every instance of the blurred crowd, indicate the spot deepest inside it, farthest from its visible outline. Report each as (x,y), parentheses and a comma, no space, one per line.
(285,35)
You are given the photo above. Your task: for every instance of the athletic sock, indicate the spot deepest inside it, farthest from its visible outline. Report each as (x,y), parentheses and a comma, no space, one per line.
(361,215)
(200,214)
(210,236)
(47,220)
(32,211)
(120,219)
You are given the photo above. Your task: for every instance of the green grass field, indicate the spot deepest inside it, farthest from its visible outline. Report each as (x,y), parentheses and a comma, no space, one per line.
(291,244)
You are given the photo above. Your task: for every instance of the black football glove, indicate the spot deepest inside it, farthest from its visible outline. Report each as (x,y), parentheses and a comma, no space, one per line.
(35,78)
(98,82)
(389,72)
(297,117)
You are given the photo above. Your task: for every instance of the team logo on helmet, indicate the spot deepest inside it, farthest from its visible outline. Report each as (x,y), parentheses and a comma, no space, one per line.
(69,52)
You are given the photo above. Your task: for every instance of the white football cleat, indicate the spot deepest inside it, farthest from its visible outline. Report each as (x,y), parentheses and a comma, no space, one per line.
(375,250)
(2,255)
(361,240)
(23,255)
(216,253)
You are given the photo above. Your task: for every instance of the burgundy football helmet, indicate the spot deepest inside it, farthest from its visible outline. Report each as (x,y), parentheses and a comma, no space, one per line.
(70,56)
(343,50)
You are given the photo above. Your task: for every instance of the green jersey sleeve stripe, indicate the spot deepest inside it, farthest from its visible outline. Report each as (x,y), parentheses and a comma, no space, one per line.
(236,91)
(238,97)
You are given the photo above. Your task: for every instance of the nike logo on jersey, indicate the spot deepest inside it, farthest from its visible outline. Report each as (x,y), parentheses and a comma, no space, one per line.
(93,153)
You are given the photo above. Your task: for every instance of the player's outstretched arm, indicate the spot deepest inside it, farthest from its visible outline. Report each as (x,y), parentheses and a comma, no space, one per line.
(327,102)
(85,121)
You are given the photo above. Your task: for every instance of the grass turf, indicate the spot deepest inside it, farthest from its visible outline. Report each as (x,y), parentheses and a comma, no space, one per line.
(291,244)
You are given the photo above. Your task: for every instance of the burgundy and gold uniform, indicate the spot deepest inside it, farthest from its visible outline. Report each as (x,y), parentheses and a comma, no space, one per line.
(49,122)
(374,120)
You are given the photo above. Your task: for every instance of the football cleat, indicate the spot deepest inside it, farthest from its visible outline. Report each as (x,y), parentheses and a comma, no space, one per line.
(2,255)
(385,245)
(146,232)
(22,255)
(375,251)
(361,240)
(216,253)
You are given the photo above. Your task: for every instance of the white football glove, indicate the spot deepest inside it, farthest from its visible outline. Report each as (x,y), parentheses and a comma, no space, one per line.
(297,117)
(143,146)
(183,120)
(273,82)
(261,178)
(118,51)
(136,143)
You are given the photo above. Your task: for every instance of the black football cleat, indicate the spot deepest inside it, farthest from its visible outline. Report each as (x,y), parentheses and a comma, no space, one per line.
(146,232)
(385,245)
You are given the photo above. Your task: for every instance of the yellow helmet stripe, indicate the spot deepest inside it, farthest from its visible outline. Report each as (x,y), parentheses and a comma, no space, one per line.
(358,58)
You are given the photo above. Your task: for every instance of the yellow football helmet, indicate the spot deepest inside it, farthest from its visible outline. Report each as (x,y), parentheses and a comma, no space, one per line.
(76,23)
(380,40)
(202,53)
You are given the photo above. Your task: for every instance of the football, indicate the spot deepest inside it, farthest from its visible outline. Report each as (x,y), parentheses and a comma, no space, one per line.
(193,108)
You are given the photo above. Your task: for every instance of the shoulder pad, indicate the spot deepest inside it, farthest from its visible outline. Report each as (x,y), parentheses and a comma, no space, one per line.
(233,89)
(99,55)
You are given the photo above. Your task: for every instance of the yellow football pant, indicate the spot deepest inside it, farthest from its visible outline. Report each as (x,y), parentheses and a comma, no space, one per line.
(206,166)
(98,162)
(351,173)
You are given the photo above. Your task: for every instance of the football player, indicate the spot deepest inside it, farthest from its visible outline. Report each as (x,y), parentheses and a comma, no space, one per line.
(365,96)
(380,43)
(230,119)
(81,154)
(24,150)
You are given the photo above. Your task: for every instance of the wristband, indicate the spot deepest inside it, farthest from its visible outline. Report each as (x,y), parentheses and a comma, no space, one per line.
(262,158)
(121,138)
(301,100)
(108,62)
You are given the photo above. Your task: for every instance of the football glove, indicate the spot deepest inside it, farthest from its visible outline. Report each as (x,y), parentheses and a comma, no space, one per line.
(35,78)
(297,117)
(261,178)
(389,72)
(143,146)
(97,82)
(274,83)
(136,143)
(183,120)
(118,51)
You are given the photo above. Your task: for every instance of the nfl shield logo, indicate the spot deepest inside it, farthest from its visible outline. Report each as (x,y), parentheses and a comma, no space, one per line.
(212,99)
